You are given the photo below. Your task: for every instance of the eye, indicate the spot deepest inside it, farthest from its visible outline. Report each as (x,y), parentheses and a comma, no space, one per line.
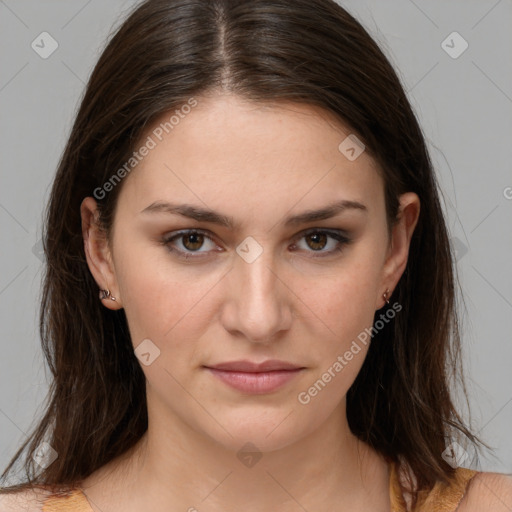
(190,241)
(186,244)
(317,240)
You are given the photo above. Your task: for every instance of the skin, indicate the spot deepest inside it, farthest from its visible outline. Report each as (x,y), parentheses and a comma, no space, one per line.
(258,164)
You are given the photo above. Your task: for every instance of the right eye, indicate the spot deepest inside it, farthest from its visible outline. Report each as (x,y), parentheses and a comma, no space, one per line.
(191,240)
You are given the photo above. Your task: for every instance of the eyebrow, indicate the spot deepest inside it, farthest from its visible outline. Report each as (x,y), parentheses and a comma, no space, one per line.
(205,215)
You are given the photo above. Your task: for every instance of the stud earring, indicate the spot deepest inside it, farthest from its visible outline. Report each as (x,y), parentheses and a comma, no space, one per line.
(385,295)
(105,294)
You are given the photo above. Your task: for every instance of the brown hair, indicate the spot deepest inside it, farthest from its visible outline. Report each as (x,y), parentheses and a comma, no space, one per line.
(308,51)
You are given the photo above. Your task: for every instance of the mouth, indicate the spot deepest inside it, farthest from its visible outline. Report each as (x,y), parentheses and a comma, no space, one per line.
(255,378)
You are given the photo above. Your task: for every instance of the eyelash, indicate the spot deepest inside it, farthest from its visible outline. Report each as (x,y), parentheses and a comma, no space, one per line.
(337,235)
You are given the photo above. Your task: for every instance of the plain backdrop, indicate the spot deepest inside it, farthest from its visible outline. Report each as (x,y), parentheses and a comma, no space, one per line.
(462,96)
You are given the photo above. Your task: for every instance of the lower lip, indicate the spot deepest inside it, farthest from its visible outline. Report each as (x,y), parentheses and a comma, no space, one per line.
(255,383)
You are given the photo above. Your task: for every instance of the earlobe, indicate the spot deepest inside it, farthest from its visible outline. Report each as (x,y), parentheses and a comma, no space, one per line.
(105,294)
(98,256)
(396,260)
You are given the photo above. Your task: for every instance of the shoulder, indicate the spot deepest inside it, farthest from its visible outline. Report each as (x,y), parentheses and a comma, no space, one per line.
(488,492)
(30,500)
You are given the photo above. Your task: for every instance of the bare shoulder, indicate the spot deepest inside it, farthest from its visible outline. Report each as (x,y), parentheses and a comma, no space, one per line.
(30,500)
(488,492)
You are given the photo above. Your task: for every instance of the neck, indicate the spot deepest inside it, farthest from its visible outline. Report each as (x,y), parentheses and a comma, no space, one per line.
(181,469)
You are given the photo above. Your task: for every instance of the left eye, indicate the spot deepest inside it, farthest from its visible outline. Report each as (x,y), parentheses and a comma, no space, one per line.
(317,240)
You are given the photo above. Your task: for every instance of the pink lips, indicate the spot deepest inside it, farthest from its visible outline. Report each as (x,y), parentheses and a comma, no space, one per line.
(255,378)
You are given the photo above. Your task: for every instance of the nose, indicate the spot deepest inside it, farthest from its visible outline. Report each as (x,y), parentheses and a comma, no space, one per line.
(259,302)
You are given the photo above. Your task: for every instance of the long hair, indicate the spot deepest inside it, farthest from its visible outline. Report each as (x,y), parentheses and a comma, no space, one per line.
(307,51)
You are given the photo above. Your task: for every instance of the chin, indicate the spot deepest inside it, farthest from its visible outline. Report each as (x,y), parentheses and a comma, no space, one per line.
(267,431)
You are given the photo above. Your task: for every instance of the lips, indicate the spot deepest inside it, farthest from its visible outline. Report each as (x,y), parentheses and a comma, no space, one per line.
(251,367)
(255,378)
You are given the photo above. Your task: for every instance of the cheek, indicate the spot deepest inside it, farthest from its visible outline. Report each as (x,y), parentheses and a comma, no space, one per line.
(163,301)
(345,301)
(344,305)
(344,312)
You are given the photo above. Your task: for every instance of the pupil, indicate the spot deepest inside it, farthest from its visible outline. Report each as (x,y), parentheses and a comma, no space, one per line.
(194,238)
(316,237)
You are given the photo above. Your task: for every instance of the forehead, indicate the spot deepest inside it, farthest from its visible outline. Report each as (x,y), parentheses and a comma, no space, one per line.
(252,155)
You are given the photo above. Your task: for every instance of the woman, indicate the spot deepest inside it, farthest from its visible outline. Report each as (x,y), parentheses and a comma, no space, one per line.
(249,297)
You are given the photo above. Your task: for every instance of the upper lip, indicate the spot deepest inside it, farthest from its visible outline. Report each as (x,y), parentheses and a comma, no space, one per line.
(250,367)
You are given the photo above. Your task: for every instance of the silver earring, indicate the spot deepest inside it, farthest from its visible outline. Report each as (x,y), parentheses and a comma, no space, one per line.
(105,294)
(385,295)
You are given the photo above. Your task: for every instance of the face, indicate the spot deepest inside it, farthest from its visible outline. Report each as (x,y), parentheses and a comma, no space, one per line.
(270,284)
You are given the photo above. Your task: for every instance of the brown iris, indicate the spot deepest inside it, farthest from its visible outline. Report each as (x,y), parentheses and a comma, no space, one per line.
(196,241)
(318,239)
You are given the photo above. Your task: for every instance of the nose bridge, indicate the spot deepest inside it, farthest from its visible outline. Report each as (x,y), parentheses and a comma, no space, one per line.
(255,270)
(259,300)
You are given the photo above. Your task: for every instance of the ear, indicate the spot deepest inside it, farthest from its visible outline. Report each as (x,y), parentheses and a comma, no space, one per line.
(98,254)
(398,252)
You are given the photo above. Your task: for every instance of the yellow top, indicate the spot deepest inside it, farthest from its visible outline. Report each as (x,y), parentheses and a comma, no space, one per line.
(441,498)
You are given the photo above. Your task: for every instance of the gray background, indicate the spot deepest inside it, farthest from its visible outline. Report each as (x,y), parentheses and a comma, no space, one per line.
(464,105)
